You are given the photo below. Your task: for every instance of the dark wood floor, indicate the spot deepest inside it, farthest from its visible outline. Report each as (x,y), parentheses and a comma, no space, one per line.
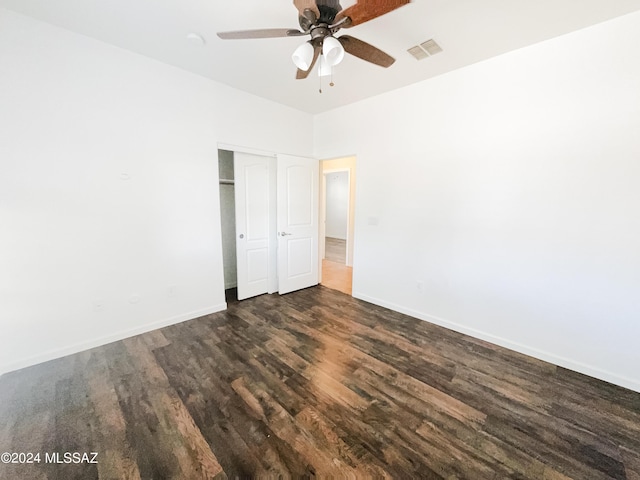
(315,384)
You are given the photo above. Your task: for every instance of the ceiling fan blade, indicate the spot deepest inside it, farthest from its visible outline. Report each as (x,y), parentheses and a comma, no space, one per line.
(366,51)
(302,5)
(261,33)
(365,10)
(302,74)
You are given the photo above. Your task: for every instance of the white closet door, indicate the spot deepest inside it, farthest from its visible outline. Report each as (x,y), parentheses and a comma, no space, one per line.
(297,223)
(252,223)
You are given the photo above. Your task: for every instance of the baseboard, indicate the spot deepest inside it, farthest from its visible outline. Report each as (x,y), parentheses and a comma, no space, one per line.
(97,342)
(579,367)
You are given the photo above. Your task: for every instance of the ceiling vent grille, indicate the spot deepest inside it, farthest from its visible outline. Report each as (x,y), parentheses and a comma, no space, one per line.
(431,47)
(425,49)
(418,52)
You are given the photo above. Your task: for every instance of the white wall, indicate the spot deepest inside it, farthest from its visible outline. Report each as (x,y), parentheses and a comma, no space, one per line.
(515,213)
(109,198)
(337,196)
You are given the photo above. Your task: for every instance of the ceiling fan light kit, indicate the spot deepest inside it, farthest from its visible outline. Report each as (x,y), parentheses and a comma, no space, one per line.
(324,69)
(303,56)
(321,20)
(332,51)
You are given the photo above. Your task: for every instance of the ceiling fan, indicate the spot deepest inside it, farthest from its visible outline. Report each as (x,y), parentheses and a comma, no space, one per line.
(322,19)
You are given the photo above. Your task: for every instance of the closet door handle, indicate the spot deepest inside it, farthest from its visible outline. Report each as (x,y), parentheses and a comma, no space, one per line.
(284,234)
(242,235)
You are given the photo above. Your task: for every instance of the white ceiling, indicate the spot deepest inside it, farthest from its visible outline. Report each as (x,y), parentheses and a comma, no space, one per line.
(467,30)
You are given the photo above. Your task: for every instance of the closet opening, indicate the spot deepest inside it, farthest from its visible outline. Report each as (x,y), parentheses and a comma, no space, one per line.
(228,223)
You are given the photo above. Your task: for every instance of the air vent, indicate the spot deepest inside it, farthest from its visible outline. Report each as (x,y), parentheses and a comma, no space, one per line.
(418,52)
(425,49)
(431,47)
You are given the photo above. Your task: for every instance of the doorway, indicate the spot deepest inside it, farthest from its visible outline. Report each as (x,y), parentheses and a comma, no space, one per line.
(337,225)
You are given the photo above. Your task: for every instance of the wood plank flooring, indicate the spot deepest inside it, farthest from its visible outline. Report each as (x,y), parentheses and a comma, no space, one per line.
(315,384)
(337,276)
(335,273)
(335,250)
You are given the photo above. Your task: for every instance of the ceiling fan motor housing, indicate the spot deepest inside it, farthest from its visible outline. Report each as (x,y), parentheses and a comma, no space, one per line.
(328,10)
(320,32)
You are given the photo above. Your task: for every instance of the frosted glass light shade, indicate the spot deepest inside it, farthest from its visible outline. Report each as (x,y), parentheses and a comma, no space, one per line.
(324,70)
(332,51)
(303,56)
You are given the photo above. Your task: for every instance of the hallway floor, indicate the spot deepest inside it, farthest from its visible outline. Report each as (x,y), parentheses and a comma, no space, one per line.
(335,274)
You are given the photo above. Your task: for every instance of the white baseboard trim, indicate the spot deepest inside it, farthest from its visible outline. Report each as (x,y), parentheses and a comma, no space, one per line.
(579,367)
(97,342)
